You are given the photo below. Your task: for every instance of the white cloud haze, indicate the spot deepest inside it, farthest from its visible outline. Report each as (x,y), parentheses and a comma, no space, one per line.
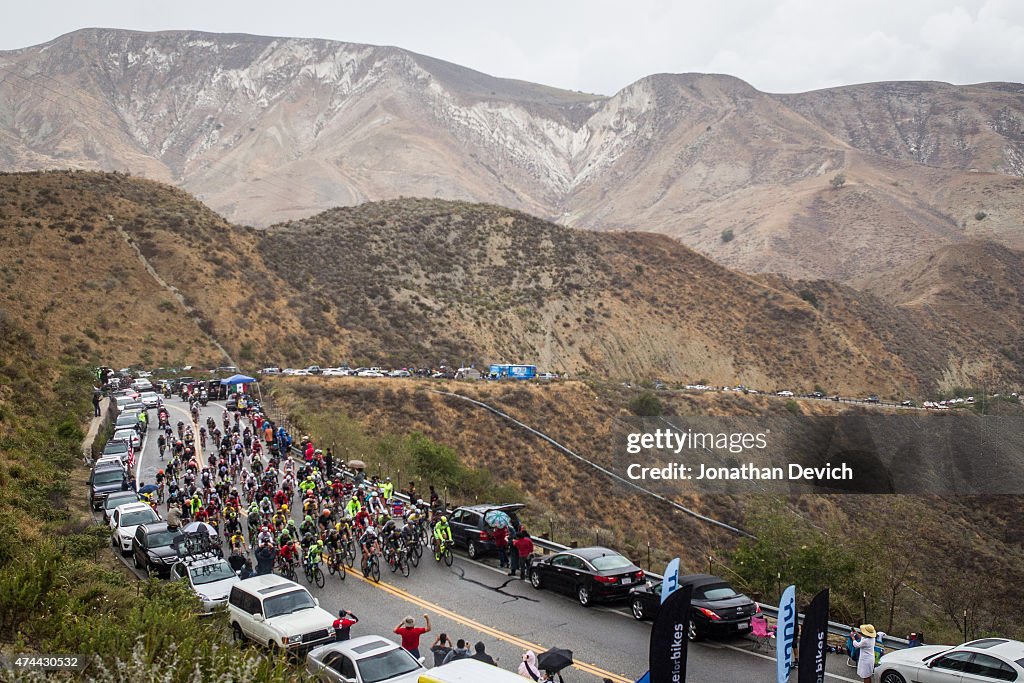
(601,46)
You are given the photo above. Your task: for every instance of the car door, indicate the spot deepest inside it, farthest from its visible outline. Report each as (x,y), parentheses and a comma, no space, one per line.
(947,668)
(560,575)
(261,630)
(331,670)
(986,669)
(457,523)
(114,520)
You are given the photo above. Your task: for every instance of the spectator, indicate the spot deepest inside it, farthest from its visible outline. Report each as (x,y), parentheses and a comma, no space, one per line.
(246,570)
(343,624)
(524,548)
(264,559)
(459,652)
(96,394)
(174,517)
(410,634)
(864,642)
(441,647)
(500,537)
(482,656)
(528,667)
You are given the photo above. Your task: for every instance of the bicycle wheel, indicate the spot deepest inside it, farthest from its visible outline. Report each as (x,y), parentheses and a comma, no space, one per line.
(340,569)
(309,574)
(414,556)
(403,565)
(330,566)
(318,576)
(448,558)
(393,561)
(375,569)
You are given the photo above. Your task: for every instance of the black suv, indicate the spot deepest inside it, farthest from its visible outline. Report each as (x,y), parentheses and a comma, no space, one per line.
(471,531)
(104,481)
(153,548)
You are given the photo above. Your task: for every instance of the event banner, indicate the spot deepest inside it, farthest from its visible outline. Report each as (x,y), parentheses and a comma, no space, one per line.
(671,581)
(784,634)
(669,638)
(813,637)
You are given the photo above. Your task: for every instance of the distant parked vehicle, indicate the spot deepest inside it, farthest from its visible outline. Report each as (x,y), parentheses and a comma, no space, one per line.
(271,371)
(400,373)
(590,574)
(716,608)
(784,392)
(547,376)
(872,399)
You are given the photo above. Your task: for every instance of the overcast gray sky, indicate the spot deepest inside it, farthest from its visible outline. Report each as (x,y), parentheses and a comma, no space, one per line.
(599,46)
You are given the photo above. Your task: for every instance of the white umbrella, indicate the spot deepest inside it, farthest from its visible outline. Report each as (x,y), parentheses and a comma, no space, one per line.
(199,526)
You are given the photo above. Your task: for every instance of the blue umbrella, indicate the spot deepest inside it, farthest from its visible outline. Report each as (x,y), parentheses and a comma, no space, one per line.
(498,519)
(148,488)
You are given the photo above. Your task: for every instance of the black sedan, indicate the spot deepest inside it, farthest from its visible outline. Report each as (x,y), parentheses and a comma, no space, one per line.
(153,548)
(590,574)
(716,608)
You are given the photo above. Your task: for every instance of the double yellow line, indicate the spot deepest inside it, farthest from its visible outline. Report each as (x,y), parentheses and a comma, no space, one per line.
(483,628)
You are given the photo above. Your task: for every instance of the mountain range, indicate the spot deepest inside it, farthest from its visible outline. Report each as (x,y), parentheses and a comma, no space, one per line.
(266,130)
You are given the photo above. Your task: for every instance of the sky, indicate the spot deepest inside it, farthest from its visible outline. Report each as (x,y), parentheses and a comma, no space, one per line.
(600,47)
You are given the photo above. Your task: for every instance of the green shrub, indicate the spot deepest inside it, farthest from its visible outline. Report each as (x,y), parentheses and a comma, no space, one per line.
(646,404)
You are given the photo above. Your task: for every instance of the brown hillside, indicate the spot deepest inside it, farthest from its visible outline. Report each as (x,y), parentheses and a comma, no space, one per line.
(75,284)
(425,282)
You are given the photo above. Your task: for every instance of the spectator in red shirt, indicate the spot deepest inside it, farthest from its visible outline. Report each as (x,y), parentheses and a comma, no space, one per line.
(524,548)
(410,634)
(342,625)
(500,537)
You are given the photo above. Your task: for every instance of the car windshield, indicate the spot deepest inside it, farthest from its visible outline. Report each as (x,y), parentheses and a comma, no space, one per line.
(610,562)
(159,539)
(108,477)
(286,603)
(720,591)
(211,573)
(138,517)
(387,665)
(114,447)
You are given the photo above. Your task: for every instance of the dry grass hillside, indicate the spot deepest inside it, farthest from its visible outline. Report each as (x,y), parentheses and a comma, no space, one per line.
(426,282)
(76,285)
(979,536)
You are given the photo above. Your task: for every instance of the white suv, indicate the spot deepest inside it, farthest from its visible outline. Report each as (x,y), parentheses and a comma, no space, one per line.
(279,614)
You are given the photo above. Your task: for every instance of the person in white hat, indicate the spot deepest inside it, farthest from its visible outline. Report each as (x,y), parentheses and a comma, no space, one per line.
(864,643)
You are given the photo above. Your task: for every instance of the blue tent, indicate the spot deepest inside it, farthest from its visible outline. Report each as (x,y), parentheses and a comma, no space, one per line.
(238,379)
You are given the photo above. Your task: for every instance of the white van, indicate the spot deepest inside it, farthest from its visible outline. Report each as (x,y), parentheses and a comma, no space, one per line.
(469,671)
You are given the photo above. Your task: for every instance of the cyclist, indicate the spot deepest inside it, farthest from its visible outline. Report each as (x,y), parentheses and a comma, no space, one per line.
(161,443)
(308,526)
(315,554)
(353,507)
(279,519)
(237,544)
(326,519)
(442,532)
(368,544)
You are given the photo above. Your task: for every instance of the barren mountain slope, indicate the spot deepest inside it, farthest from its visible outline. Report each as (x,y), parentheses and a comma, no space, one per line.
(267,129)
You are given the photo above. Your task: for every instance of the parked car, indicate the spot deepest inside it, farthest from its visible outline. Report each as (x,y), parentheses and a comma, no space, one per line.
(278,614)
(115,500)
(104,481)
(118,448)
(470,530)
(872,399)
(129,436)
(988,659)
(717,609)
(211,578)
(366,659)
(784,392)
(907,403)
(469,670)
(400,373)
(591,574)
(150,399)
(270,371)
(370,373)
(547,376)
(314,370)
(125,520)
(153,548)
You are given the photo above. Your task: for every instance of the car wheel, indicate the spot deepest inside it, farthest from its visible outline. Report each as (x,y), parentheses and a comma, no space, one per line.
(583,595)
(637,607)
(236,634)
(693,631)
(890,676)
(135,561)
(535,579)
(472,550)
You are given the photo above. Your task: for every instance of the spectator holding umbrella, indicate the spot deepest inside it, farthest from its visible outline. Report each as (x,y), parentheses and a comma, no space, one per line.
(553,661)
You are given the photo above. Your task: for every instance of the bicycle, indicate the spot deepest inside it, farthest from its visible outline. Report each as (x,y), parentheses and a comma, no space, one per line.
(336,564)
(287,570)
(349,548)
(444,552)
(371,567)
(403,561)
(414,551)
(160,494)
(313,573)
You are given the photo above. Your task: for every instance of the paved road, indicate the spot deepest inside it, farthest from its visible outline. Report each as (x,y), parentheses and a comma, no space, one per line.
(476,601)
